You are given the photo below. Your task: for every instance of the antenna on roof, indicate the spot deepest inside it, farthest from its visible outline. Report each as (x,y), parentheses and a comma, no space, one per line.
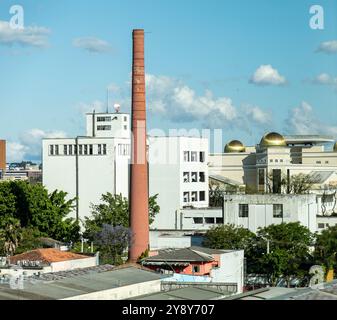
(107,100)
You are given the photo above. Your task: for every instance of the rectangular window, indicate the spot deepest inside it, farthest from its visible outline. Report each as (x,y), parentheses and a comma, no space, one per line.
(125,127)
(124,149)
(278,210)
(65,150)
(197,220)
(103,119)
(243,210)
(219,220)
(326,162)
(75,149)
(261,177)
(196,269)
(125,119)
(186,156)
(51,150)
(99,149)
(202,196)
(209,220)
(103,128)
(194,156)
(202,177)
(318,162)
(271,160)
(85,149)
(91,149)
(281,160)
(194,196)
(57,152)
(276,160)
(321,226)
(194,177)
(186,197)
(186,177)
(80,151)
(70,149)
(202,156)
(104,149)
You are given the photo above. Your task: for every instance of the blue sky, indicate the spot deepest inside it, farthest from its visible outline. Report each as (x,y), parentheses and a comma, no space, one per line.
(244,66)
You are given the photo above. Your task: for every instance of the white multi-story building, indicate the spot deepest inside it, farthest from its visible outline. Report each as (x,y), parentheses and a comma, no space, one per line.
(88,166)
(178,173)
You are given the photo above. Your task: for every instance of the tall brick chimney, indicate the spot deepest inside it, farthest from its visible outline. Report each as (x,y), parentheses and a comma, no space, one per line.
(139,193)
(3,156)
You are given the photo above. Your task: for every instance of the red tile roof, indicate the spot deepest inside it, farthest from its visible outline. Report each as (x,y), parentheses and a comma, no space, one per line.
(48,256)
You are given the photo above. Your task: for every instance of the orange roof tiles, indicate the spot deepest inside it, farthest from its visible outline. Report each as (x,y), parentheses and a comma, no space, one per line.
(48,255)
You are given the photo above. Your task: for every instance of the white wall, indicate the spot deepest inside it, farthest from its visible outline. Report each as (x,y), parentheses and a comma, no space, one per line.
(74,264)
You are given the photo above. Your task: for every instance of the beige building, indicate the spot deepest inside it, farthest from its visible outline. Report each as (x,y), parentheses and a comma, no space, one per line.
(277,158)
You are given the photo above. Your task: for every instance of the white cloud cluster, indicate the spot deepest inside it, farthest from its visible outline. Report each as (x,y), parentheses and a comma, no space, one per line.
(325,79)
(177,102)
(92,45)
(328,47)
(32,36)
(301,120)
(29,146)
(267,75)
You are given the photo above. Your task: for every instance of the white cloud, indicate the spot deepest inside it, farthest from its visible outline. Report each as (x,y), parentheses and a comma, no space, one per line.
(329,47)
(173,100)
(267,75)
(29,146)
(92,45)
(32,36)
(325,79)
(302,120)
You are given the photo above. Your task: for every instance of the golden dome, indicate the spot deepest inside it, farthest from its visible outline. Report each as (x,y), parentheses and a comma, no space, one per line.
(273,139)
(235,146)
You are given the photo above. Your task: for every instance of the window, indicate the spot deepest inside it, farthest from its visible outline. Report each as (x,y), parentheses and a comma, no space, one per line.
(209,220)
(318,162)
(99,149)
(202,196)
(125,127)
(321,226)
(103,119)
(85,149)
(186,177)
(104,149)
(125,119)
(243,210)
(186,197)
(194,196)
(103,128)
(91,149)
(278,210)
(197,220)
(75,149)
(194,177)
(194,156)
(281,160)
(57,152)
(202,156)
(201,176)
(124,149)
(51,150)
(80,151)
(276,160)
(219,220)
(196,269)
(326,162)
(65,150)
(186,156)
(70,149)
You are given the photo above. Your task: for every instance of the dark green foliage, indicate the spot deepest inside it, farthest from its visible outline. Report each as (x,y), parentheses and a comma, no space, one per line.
(326,248)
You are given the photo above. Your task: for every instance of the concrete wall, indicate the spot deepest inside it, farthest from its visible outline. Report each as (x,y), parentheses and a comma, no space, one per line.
(121,293)
(301,208)
(74,264)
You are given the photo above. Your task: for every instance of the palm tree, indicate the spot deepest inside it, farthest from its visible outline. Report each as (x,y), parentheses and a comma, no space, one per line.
(10,234)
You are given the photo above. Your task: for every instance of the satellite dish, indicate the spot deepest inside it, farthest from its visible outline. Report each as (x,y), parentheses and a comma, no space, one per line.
(117,107)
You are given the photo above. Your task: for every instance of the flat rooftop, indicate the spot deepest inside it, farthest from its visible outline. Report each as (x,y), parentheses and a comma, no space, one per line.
(62,285)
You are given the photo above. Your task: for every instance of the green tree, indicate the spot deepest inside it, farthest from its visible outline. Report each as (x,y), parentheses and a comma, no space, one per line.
(326,248)
(114,210)
(10,234)
(288,242)
(229,237)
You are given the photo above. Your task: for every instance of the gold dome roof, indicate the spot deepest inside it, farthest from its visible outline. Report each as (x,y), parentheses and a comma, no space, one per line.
(273,139)
(235,146)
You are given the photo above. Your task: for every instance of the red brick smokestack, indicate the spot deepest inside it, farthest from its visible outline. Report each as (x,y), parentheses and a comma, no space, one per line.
(139,194)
